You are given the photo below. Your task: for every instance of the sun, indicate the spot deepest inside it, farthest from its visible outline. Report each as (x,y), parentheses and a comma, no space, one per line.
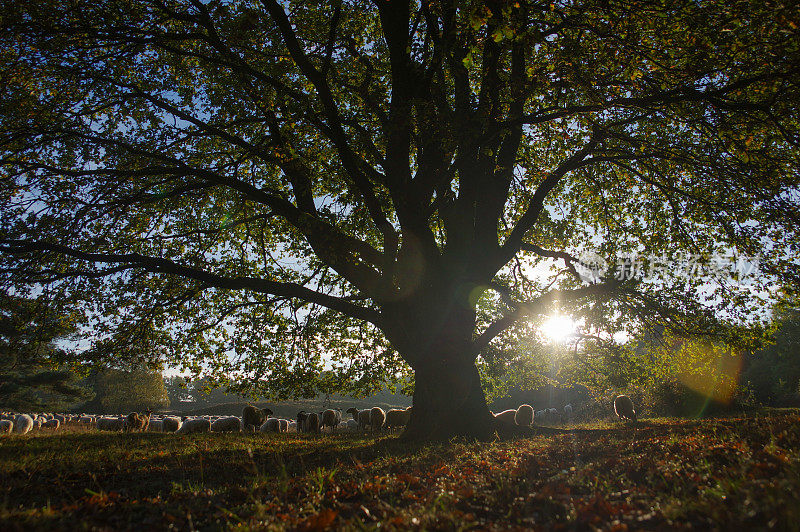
(558,328)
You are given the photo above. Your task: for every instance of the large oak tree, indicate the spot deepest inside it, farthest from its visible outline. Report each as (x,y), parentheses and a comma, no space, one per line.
(373,180)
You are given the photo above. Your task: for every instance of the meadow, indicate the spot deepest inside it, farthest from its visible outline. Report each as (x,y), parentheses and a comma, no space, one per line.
(661,473)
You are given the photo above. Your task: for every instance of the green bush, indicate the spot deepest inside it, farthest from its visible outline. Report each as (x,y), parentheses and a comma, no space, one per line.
(673,398)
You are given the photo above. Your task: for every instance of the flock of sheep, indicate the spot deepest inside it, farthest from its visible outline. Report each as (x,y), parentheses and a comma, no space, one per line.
(252,419)
(24,423)
(257,419)
(525,416)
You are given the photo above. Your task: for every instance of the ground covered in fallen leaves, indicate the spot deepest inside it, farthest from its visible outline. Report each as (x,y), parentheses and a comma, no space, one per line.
(659,474)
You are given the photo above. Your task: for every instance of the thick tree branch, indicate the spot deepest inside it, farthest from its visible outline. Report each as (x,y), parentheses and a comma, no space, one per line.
(362,174)
(166,266)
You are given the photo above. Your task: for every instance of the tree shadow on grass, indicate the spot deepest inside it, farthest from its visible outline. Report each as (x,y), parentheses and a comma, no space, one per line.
(153,480)
(147,465)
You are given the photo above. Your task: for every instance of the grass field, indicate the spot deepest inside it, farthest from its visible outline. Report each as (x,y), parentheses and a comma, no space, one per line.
(661,474)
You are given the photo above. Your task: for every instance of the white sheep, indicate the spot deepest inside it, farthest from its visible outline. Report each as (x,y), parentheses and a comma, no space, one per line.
(540,416)
(23,424)
(6,426)
(349,425)
(553,415)
(568,412)
(292,426)
(227,424)
(271,425)
(398,417)
(193,425)
(283,425)
(171,424)
(51,424)
(156,425)
(361,416)
(377,417)
(524,415)
(110,423)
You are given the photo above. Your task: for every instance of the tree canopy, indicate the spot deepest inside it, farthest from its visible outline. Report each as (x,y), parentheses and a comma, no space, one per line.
(271,188)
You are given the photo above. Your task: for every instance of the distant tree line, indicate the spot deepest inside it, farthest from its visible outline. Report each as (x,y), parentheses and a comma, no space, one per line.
(185,393)
(119,390)
(33,364)
(41,367)
(772,374)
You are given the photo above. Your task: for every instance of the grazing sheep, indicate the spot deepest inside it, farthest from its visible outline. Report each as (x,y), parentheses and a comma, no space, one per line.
(377,417)
(283,425)
(136,421)
(330,418)
(350,425)
(623,407)
(540,416)
(568,413)
(37,423)
(553,415)
(156,425)
(524,415)
(253,417)
(193,425)
(86,419)
(51,424)
(506,416)
(361,416)
(271,425)
(301,421)
(311,423)
(23,424)
(111,423)
(227,424)
(6,426)
(398,417)
(171,424)
(292,427)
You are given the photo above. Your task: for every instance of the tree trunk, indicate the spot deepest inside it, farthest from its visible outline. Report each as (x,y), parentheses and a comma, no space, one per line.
(433,330)
(448,401)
